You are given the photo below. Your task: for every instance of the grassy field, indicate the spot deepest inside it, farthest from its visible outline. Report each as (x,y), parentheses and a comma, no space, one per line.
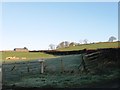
(53,78)
(92,46)
(53,70)
(37,55)
(59,72)
(66,80)
(27,55)
(52,65)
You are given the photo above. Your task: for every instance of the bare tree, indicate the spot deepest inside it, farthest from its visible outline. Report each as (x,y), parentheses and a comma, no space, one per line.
(63,44)
(85,41)
(26,48)
(111,39)
(52,46)
(80,41)
(66,44)
(72,44)
(60,45)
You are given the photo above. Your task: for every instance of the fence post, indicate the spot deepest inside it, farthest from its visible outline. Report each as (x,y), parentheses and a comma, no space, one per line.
(82,65)
(83,62)
(42,68)
(62,67)
(28,69)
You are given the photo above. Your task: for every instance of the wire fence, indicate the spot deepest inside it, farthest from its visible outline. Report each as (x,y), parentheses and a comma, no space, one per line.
(17,70)
(67,64)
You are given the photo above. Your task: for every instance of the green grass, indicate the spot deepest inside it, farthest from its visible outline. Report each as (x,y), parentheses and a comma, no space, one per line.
(53,76)
(37,55)
(28,55)
(64,80)
(53,65)
(91,46)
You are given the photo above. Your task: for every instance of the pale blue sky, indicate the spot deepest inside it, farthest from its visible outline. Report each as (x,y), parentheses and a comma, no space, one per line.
(35,25)
(60,0)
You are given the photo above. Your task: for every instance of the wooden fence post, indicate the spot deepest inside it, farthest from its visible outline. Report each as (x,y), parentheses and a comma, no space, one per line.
(28,69)
(82,66)
(62,67)
(42,66)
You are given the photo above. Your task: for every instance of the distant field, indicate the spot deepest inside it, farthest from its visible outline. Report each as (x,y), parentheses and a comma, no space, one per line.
(37,55)
(27,55)
(92,46)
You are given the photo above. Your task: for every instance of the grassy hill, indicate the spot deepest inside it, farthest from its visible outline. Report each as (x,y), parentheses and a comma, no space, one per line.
(37,55)
(27,55)
(27,73)
(102,70)
(92,46)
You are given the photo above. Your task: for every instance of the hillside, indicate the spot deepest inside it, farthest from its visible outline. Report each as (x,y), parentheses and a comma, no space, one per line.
(24,55)
(92,46)
(65,72)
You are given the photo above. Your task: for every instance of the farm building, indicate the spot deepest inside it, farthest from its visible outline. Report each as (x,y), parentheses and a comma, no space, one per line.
(21,49)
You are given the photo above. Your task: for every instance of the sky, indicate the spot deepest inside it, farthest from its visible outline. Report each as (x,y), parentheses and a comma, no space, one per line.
(60,0)
(36,25)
